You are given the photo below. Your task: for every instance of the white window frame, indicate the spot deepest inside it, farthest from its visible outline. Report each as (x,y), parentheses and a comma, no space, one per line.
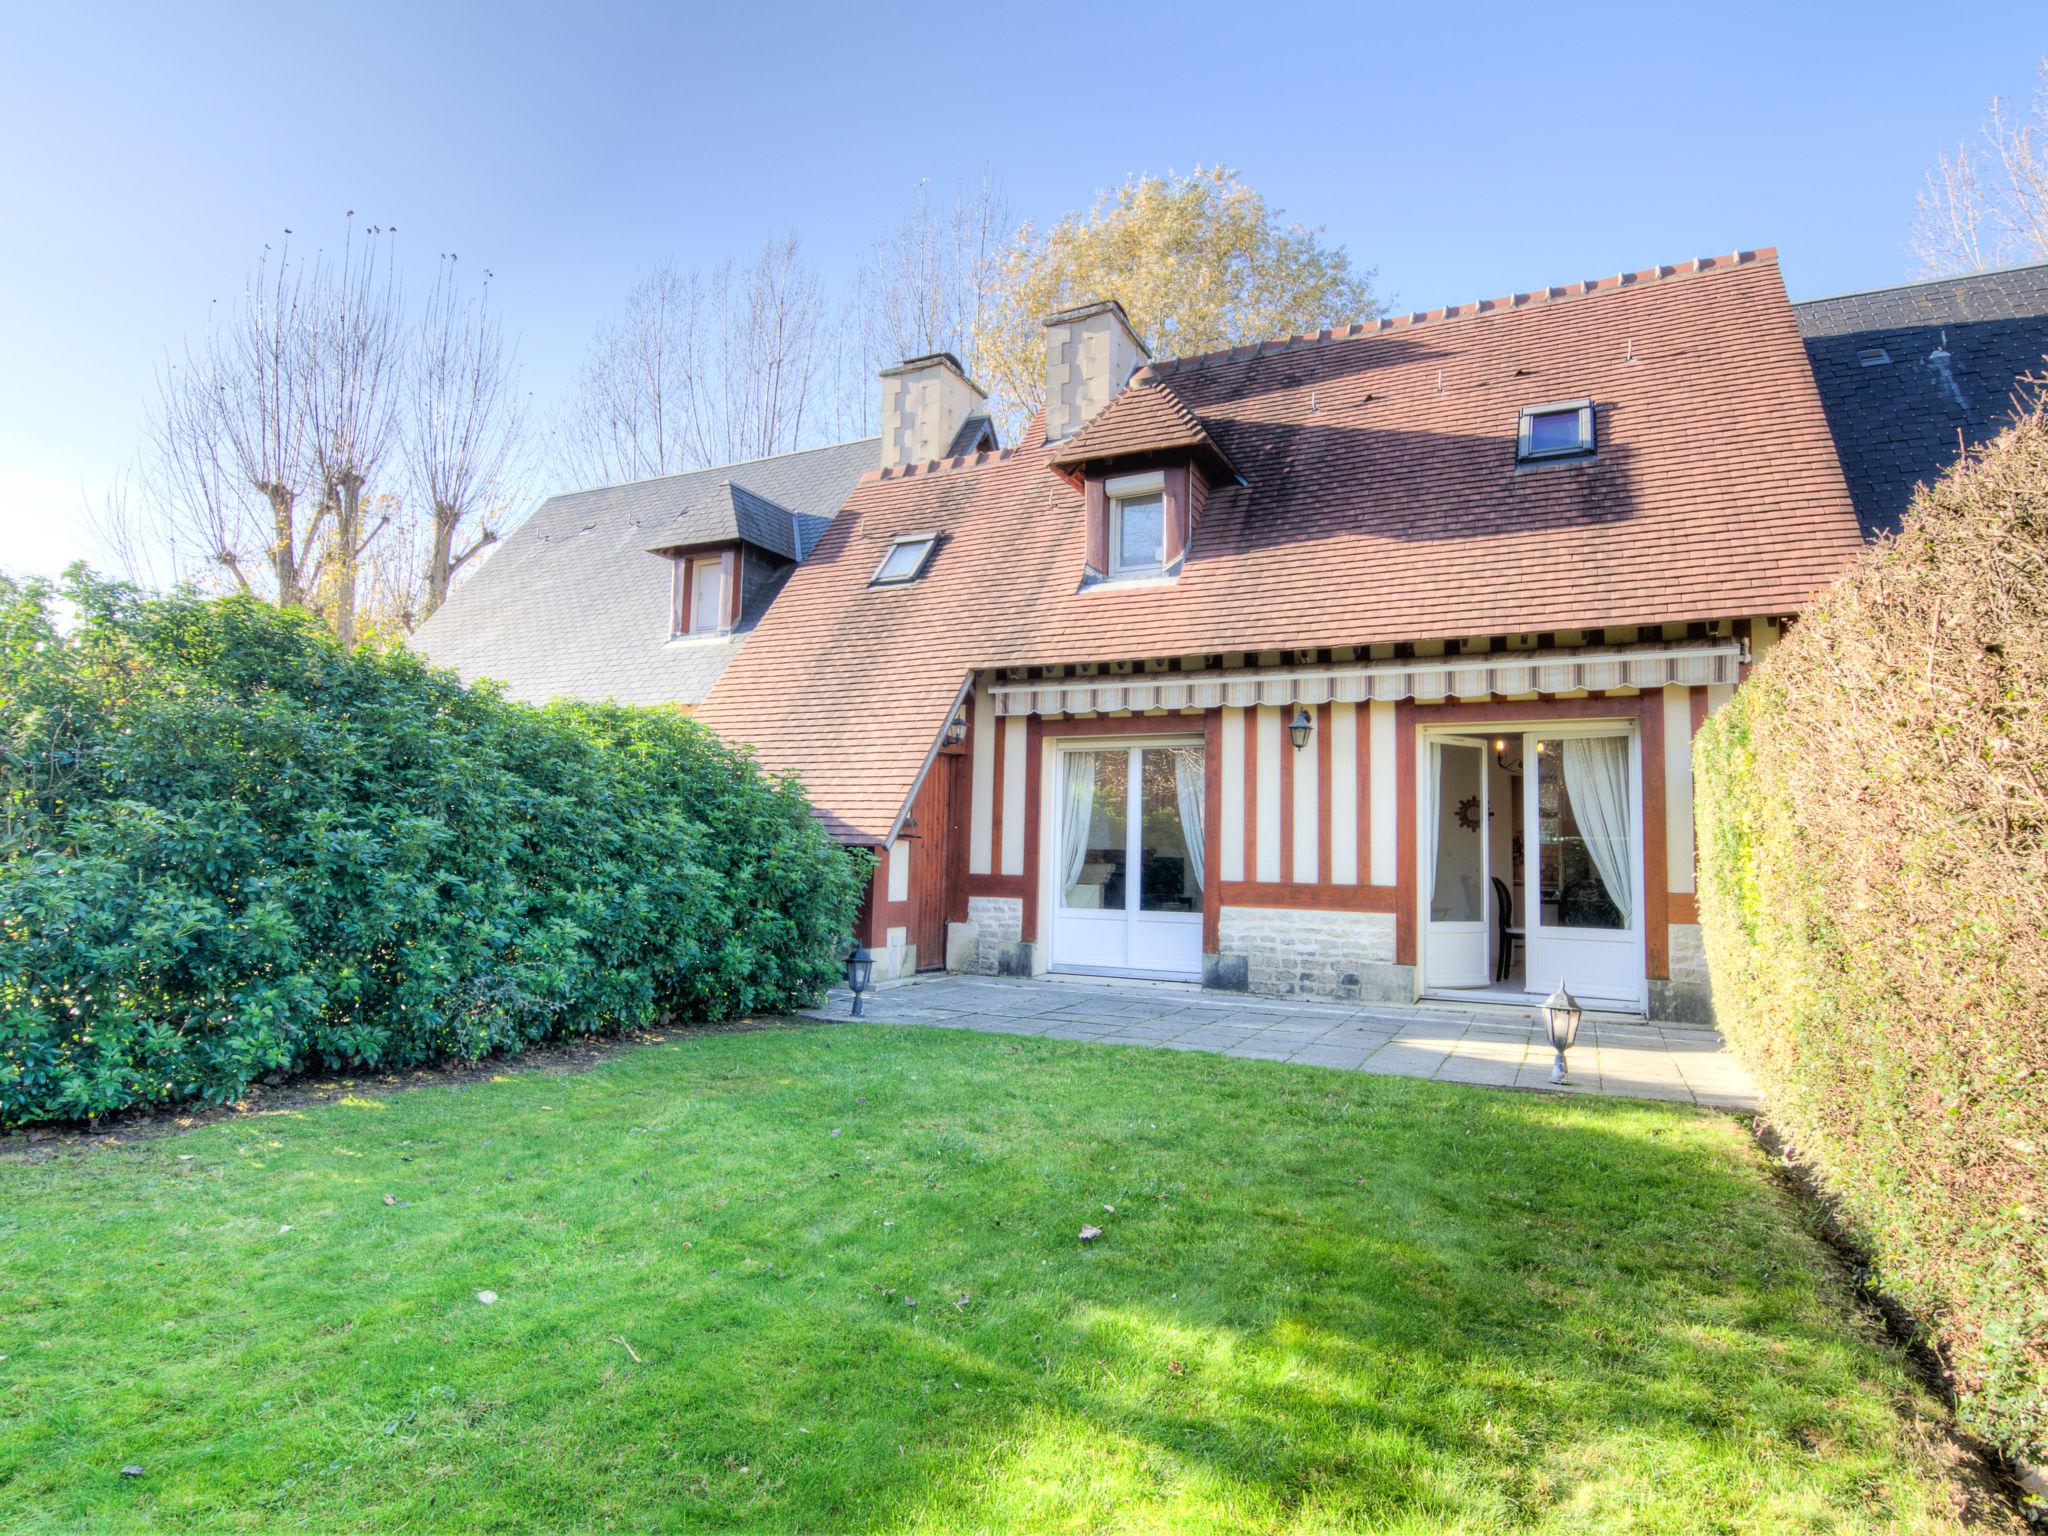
(1119,489)
(1586,446)
(930,541)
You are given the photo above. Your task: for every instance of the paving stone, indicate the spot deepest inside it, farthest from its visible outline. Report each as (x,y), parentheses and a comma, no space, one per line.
(1615,1056)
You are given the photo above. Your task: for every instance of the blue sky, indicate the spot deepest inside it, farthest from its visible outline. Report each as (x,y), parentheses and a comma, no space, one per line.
(147,152)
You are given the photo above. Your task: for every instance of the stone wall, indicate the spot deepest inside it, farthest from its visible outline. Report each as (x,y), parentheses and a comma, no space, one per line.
(998,944)
(1284,952)
(1687,998)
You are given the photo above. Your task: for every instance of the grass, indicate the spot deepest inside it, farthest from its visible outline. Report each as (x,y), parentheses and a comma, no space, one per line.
(829,1279)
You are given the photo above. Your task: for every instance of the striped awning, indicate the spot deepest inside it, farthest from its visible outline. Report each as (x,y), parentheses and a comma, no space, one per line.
(1592,669)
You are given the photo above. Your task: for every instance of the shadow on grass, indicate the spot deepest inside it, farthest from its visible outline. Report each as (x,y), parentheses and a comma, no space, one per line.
(1320,1300)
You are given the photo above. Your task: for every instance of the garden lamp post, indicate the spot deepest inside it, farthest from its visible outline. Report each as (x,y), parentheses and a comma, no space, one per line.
(860,975)
(1561,1020)
(1300,726)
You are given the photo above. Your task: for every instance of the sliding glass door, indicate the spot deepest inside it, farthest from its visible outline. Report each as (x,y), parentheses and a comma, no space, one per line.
(1130,860)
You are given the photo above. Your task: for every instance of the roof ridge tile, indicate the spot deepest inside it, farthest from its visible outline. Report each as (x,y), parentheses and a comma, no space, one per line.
(1161,368)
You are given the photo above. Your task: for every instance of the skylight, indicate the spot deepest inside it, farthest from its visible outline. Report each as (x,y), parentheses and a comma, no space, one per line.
(1559,431)
(905,559)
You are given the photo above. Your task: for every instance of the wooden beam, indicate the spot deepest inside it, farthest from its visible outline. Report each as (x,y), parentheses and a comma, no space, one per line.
(1318,897)
(1404,831)
(1034,731)
(1187,724)
(1656,840)
(1212,832)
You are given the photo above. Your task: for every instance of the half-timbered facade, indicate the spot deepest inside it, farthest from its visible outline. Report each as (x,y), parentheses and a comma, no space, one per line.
(1363,664)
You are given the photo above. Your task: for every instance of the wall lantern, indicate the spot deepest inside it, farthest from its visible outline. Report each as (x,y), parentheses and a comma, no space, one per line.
(860,975)
(956,730)
(1561,1020)
(1300,726)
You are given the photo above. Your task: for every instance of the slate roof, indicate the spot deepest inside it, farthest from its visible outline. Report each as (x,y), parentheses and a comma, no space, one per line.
(976,434)
(1383,503)
(1956,349)
(727,512)
(572,605)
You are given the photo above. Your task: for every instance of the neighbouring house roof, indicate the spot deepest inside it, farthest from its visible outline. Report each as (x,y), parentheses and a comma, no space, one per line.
(1146,418)
(1908,375)
(976,434)
(572,605)
(1383,503)
(728,513)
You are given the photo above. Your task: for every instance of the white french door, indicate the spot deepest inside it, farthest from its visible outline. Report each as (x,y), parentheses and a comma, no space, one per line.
(1459,933)
(1583,821)
(1129,860)
(1531,855)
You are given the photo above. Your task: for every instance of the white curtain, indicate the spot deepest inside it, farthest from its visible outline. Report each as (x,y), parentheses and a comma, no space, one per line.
(1189,788)
(1080,811)
(1596,777)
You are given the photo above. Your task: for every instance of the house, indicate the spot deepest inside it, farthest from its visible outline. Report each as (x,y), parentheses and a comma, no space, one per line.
(642,593)
(1908,375)
(1355,665)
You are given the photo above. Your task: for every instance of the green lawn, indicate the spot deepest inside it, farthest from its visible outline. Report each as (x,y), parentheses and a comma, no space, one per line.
(828,1279)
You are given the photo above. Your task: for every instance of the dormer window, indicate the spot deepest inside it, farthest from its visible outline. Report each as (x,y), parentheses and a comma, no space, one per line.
(1137,524)
(905,560)
(1562,431)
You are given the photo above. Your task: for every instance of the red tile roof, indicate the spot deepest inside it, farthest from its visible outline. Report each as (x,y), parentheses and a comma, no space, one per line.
(1146,418)
(1383,504)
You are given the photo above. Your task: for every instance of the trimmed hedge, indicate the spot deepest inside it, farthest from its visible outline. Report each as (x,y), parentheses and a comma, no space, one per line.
(230,848)
(1873,821)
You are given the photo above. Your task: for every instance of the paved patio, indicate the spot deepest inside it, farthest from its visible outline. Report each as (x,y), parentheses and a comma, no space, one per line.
(1492,1047)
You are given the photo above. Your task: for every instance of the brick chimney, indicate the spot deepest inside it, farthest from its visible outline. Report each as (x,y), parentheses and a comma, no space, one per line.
(925,401)
(1090,354)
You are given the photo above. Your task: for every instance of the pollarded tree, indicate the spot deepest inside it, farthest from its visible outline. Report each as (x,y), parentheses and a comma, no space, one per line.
(352,374)
(1198,262)
(466,429)
(231,465)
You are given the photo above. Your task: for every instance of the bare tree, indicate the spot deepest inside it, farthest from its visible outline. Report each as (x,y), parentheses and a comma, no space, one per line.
(624,420)
(354,369)
(230,464)
(466,428)
(703,369)
(930,283)
(1971,215)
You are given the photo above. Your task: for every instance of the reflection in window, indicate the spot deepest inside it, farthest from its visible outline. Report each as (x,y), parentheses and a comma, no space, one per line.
(1556,431)
(1140,536)
(1096,830)
(1583,831)
(1170,846)
(1457,894)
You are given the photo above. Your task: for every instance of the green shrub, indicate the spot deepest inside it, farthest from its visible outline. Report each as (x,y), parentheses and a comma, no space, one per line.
(1873,816)
(228,848)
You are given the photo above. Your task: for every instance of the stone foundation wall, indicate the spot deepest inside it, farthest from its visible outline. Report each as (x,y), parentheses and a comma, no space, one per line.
(1284,952)
(999,933)
(1688,997)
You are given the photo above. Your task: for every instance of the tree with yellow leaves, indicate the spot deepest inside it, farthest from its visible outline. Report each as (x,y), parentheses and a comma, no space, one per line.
(1198,262)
